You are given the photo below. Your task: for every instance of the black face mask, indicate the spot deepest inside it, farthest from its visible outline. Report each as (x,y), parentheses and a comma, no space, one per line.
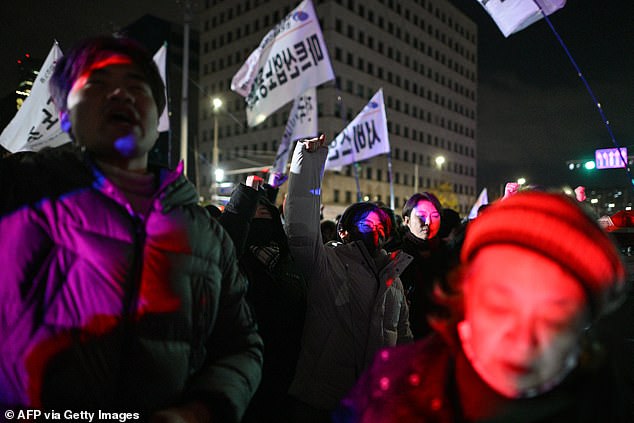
(368,239)
(262,232)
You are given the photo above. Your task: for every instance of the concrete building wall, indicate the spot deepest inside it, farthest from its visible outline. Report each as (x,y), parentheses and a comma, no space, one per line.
(422,53)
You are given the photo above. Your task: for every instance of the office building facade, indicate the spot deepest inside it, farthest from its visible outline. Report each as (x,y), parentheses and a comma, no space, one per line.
(423,54)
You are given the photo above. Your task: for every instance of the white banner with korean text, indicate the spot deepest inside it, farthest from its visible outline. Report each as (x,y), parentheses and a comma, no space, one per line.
(302,123)
(291,58)
(366,136)
(160,58)
(514,15)
(36,124)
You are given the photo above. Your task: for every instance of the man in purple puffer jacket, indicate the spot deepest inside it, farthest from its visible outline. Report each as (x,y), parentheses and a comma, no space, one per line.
(118,293)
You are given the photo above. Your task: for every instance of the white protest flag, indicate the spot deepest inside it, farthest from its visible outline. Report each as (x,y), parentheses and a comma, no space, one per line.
(302,123)
(364,137)
(291,58)
(160,60)
(36,125)
(514,15)
(483,198)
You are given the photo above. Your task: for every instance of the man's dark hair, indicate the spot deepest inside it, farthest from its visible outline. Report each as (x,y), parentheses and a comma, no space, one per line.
(414,199)
(83,55)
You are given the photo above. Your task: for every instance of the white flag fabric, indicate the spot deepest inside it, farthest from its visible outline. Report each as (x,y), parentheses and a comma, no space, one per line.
(291,58)
(302,123)
(514,15)
(366,136)
(36,124)
(160,60)
(483,198)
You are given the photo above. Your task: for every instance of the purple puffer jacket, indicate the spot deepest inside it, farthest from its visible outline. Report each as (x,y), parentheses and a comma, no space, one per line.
(101,309)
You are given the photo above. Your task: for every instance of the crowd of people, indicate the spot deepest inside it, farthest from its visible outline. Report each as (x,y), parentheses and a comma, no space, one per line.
(120,293)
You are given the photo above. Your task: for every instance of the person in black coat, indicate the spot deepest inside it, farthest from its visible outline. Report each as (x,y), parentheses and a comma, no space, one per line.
(422,217)
(277,293)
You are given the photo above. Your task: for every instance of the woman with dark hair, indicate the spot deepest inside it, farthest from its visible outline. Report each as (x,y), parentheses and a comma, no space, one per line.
(518,345)
(422,217)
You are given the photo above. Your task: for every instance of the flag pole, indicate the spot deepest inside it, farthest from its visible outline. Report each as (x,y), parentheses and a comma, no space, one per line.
(343,120)
(355,166)
(390,179)
(184,92)
(416,177)
(170,138)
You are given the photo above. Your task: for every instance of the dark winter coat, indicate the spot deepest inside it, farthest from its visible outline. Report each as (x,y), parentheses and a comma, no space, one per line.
(277,294)
(104,309)
(417,383)
(356,304)
(429,266)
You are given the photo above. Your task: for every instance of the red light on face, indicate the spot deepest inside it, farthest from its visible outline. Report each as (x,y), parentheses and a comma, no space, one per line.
(19,62)
(99,64)
(27,55)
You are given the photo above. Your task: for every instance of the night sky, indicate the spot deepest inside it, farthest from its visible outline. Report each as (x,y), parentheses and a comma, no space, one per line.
(534,112)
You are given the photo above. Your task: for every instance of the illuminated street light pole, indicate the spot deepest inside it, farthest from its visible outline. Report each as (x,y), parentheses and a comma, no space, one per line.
(185,84)
(440,160)
(217,104)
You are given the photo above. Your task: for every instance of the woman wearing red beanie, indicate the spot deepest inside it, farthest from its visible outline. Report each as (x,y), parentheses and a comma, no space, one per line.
(537,275)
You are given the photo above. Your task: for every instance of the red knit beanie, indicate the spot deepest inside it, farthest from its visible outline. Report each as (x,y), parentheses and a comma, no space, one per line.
(555,226)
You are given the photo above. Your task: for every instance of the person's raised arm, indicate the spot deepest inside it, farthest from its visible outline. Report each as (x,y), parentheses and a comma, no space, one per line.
(237,215)
(302,223)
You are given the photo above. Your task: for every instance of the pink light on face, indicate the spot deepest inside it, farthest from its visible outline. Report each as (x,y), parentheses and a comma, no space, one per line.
(424,220)
(372,227)
(524,316)
(100,64)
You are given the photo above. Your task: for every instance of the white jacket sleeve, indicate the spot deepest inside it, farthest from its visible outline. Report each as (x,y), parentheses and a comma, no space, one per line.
(302,222)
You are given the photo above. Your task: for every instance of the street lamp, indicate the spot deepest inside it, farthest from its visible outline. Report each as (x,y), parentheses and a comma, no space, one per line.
(216,104)
(219,174)
(440,160)
(521,181)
